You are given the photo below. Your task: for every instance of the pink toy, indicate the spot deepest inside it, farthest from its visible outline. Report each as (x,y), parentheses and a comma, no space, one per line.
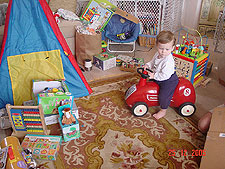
(145,94)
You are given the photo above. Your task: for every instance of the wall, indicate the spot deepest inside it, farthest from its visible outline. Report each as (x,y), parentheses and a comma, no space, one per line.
(191,13)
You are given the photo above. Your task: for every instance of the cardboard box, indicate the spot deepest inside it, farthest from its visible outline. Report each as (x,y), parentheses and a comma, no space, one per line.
(215,141)
(104,61)
(44,94)
(126,15)
(218,120)
(51,119)
(44,147)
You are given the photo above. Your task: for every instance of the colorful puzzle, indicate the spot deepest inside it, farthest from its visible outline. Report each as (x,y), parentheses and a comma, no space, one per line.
(98,12)
(26,119)
(42,147)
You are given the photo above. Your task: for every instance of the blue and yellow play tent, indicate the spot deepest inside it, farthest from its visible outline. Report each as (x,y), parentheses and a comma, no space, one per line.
(34,48)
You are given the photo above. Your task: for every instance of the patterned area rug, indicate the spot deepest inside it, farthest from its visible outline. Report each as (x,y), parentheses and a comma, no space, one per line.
(112,138)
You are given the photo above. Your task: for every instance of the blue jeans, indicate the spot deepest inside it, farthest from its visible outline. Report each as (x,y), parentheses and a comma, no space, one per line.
(166,90)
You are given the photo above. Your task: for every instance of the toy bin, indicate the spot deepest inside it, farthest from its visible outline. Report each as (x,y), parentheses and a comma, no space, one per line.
(68,123)
(51,94)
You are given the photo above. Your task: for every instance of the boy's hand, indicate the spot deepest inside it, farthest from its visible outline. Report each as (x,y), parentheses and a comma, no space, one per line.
(145,67)
(151,75)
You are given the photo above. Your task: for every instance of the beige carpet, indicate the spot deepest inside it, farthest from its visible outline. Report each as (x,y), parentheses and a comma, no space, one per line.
(112,138)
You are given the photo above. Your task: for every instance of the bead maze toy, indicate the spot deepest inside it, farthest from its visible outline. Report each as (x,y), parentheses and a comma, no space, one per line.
(27,119)
(191,57)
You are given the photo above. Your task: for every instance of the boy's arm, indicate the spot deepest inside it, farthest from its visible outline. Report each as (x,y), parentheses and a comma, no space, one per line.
(148,65)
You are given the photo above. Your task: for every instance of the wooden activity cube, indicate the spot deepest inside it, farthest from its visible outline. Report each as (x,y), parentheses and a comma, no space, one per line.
(190,68)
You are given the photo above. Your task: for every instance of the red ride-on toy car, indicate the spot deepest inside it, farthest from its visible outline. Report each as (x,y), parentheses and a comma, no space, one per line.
(145,94)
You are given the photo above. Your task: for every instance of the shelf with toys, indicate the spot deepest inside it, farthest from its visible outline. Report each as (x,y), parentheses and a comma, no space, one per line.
(191,56)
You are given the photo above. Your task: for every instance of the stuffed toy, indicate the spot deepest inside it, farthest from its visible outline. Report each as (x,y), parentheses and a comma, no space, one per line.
(68,118)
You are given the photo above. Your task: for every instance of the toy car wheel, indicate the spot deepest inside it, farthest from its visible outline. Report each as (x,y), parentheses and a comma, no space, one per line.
(140,109)
(187,109)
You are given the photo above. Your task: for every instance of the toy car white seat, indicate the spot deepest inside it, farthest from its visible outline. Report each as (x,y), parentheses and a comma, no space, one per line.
(119,25)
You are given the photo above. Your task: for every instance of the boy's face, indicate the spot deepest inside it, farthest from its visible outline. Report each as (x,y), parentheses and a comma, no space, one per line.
(165,49)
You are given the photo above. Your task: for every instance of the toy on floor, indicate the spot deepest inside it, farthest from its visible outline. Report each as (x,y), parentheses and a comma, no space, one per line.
(51,94)
(43,147)
(3,157)
(68,123)
(67,117)
(132,65)
(191,57)
(15,159)
(145,94)
(104,61)
(27,119)
(27,155)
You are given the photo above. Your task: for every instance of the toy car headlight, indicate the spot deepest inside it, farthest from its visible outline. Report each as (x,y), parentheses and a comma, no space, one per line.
(130,91)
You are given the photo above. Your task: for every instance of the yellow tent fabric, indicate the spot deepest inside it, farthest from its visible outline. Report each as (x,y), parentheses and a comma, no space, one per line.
(33,66)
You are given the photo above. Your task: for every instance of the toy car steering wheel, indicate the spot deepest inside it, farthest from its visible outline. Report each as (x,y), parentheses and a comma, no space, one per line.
(143,73)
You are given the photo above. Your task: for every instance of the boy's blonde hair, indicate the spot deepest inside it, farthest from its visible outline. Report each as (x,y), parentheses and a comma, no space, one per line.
(165,37)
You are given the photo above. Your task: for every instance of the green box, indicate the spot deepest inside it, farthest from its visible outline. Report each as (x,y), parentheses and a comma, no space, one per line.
(49,99)
(104,61)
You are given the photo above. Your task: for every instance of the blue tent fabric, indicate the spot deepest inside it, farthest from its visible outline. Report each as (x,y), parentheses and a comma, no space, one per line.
(29,31)
(115,27)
